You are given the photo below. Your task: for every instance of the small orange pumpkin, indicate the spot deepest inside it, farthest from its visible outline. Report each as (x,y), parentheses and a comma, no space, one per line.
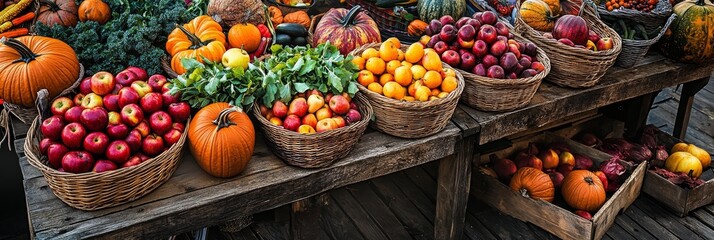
(202,36)
(538,15)
(221,139)
(245,36)
(416,27)
(94,10)
(583,190)
(276,16)
(299,17)
(684,162)
(701,154)
(533,183)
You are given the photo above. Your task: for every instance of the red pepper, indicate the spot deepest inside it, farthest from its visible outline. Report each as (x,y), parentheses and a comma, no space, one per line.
(264,31)
(262,47)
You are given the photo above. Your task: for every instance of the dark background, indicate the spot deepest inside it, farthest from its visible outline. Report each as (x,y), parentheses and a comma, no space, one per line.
(13,216)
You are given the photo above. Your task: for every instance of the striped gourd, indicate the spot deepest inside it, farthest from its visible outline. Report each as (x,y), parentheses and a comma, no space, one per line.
(690,38)
(430,9)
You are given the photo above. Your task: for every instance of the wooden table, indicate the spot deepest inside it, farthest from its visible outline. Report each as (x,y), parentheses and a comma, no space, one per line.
(192,199)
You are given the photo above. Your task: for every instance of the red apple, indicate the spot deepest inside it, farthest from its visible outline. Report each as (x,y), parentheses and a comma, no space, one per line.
(166,87)
(487,33)
(480,48)
(474,23)
(593,36)
(128,96)
(435,26)
(433,40)
(151,102)
(102,83)
(152,145)
(117,87)
(515,49)
(298,107)
(448,33)
(604,44)
(309,119)
(157,82)
(279,109)
(92,100)
(461,22)
(96,143)
(556,178)
(171,137)
(537,66)
(140,73)
(509,62)
(512,75)
(525,61)
(531,50)
(314,92)
(114,118)
(103,166)
(477,16)
(441,47)
(131,115)
(479,69)
(95,119)
(465,44)
(44,144)
(178,126)
(326,124)
(55,153)
(468,61)
(160,122)
(566,42)
(447,20)
(179,112)
(584,214)
(564,169)
(78,99)
(339,121)
(141,87)
(111,102)
(489,17)
(85,87)
(603,178)
(167,98)
(353,105)
(125,78)
(501,29)
(292,122)
(77,162)
(118,152)
(467,33)
(495,71)
(451,57)
(73,134)
(498,48)
(353,116)
(117,131)
(134,140)
(61,105)
(528,73)
(52,127)
(143,128)
(339,105)
(73,114)
(133,161)
(489,60)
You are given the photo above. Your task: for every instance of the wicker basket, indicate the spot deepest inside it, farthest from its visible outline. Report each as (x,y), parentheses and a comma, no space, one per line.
(570,66)
(634,50)
(650,20)
(93,191)
(489,94)
(411,119)
(389,24)
(319,149)
(285,9)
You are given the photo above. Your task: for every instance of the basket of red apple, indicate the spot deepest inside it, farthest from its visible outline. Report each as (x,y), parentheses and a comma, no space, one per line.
(413,93)
(581,48)
(502,70)
(304,131)
(107,133)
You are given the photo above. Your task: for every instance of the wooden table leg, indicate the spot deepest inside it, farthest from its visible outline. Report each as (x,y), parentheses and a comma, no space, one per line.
(305,217)
(453,191)
(685,106)
(637,110)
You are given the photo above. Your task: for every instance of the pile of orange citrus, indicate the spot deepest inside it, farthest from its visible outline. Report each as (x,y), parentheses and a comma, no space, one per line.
(412,75)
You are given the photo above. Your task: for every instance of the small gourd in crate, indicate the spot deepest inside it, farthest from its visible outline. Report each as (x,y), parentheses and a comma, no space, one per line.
(221,139)
(701,154)
(583,190)
(684,162)
(533,183)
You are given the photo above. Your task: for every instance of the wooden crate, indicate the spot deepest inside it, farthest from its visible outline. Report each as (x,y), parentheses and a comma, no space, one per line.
(550,217)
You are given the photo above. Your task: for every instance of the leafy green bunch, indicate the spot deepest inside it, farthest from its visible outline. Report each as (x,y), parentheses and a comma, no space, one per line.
(135,35)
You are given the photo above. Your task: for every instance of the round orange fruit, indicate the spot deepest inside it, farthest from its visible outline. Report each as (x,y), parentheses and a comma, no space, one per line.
(432,79)
(375,87)
(403,76)
(385,78)
(365,77)
(359,61)
(388,52)
(375,65)
(370,53)
(449,84)
(393,65)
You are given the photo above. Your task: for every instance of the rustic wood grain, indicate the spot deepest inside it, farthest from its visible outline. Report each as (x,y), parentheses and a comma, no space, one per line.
(685,106)
(626,224)
(360,218)
(620,200)
(638,217)
(465,122)
(414,222)
(503,227)
(665,219)
(304,214)
(453,191)
(337,223)
(693,224)
(380,212)
(208,204)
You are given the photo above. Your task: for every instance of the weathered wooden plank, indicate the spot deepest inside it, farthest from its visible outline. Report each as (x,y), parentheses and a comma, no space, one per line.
(616,232)
(704,217)
(625,223)
(337,224)
(245,234)
(426,206)
(693,224)
(647,223)
(19,129)
(699,129)
(702,100)
(465,122)
(271,230)
(452,194)
(664,218)
(414,222)
(359,216)
(304,214)
(502,226)
(379,211)
(378,154)
(423,181)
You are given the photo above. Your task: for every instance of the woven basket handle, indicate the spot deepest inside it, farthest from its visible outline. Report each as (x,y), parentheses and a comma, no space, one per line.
(590,8)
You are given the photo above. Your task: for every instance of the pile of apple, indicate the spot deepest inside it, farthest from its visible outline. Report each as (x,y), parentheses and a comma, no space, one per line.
(483,46)
(573,31)
(113,122)
(314,113)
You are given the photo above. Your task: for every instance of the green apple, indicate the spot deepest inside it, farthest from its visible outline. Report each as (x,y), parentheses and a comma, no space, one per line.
(235,58)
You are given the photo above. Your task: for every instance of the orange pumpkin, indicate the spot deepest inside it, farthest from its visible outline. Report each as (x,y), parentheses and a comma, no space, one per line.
(245,36)
(416,27)
(31,63)
(684,162)
(221,139)
(533,183)
(583,190)
(202,36)
(94,10)
(62,12)
(276,16)
(299,17)
(701,154)
(346,29)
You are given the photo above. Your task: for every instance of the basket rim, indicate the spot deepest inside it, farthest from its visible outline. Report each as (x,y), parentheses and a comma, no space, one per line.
(415,104)
(641,43)
(632,13)
(366,117)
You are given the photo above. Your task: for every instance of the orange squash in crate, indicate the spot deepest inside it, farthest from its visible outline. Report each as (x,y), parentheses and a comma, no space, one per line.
(533,183)
(583,190)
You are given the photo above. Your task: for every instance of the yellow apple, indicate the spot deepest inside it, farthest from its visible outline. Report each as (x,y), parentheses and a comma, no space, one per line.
(236,58)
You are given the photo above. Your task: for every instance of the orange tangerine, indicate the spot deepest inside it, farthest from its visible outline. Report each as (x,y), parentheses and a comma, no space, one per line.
(400,55)
(435,92)
(432,79)
(414,53)
(393,90)
(385,78)
(418,71)
(388,51)
(375,65)
(403,76)
(359,61)
(375,87)
(393,65)
(422,93)
(442,95)
(448,72)
(449,84)
(412,87)
(394,41)
(431,61)
(408,64)
(365,78)
(409,99)
(370,53)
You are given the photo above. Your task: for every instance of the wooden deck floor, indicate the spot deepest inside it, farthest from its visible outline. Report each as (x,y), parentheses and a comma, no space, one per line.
(402,205)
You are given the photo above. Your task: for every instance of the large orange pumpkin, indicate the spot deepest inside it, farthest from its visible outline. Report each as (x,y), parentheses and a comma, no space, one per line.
(533,183)
(94,10)
(684,162)
(346,29)
(221,139)
(62,12)
(583,190)
(245,36)
(31,63)
(202,36)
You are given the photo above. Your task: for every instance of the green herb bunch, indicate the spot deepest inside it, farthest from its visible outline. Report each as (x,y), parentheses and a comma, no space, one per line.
(135,35)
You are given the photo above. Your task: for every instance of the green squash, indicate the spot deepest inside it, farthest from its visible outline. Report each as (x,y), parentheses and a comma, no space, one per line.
(434,9)
(690,37)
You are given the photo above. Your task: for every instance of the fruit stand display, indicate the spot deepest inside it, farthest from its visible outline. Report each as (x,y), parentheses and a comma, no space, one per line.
(565,198)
